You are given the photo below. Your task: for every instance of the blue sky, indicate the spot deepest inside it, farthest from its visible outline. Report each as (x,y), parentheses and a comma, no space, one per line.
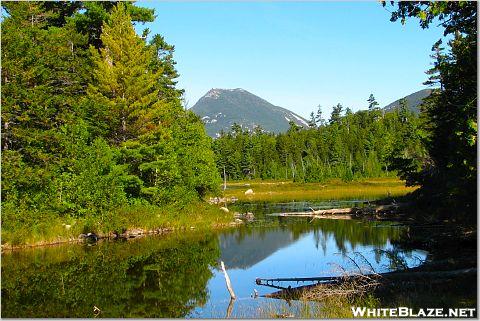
(295,54)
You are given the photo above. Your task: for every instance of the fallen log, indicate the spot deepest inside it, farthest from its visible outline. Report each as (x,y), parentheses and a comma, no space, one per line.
(345,213)
(366,281)
(404,274)
(335,211)
(260,281)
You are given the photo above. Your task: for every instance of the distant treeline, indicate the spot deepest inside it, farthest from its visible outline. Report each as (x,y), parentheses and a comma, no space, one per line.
(368,143)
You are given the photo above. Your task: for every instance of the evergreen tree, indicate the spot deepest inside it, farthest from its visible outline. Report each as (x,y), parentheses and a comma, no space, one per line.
(336,115)
(319,117)
(403,110)
(91,15)
(372,103)
(450,113)
(165,65)
(312,123)
(125,88)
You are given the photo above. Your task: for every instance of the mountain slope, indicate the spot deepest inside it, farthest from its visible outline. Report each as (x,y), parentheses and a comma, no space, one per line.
(221,108)
(414,100)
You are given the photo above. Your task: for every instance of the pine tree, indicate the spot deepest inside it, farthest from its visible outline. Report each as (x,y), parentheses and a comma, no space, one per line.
(450,113)
(403,110)
(336,115)
(312,123)
(125,87)
(372,103)
(319,117)
(165,64)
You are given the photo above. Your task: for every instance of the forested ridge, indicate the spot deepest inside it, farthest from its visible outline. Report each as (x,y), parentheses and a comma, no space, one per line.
(368,143)
(92,120)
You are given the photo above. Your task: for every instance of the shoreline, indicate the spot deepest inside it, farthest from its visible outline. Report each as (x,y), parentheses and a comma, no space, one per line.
(129,234)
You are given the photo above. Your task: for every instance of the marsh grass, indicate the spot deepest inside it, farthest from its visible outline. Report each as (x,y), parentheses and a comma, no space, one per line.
(48,228)
(329,308)
(278,191)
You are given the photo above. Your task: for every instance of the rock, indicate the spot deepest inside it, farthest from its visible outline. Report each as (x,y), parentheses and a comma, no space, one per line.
(224,209)
(134,233)
(249,192)
(90,237)
(236,222)
(249,216)
(246,216)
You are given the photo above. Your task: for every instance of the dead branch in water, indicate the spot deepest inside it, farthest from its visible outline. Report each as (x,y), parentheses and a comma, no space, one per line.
(359,284)
(344,213)
(227,281)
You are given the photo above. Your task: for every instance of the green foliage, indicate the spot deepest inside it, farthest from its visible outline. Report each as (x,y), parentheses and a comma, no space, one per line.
(91,120)
(352,146)
(448,174)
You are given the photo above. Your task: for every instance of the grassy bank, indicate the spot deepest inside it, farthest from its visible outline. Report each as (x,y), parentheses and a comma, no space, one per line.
(48,228)
(36,228)
(278,191)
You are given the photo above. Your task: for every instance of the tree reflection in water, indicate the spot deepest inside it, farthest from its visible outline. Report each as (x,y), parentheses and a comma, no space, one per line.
(150,277)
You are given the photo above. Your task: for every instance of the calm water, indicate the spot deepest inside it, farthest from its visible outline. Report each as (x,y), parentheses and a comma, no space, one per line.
(177,275)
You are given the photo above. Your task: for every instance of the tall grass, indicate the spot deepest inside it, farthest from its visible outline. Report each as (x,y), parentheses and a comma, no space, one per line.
(46,228)
(277,191)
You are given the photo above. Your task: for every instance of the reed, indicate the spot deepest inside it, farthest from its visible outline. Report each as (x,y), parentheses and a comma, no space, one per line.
(277,191)
(47,228)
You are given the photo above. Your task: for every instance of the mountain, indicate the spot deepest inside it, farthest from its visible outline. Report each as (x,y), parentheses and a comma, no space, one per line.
(240,250)
(221,108)
(414,100)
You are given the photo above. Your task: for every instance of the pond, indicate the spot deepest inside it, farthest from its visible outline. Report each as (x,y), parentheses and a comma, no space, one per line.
(178,275)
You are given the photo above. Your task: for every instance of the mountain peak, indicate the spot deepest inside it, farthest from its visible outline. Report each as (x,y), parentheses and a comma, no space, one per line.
(216,92)
(414,100)
(221,108)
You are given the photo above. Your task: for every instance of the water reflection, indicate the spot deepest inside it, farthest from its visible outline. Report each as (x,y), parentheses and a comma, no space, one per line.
(246,246)
(150,277)
(177,276)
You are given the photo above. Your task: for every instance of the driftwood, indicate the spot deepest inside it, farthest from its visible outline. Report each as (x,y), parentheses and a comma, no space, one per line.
(227,281)
(268,282)
(230,308)
(345,213)
(357,283)
(397,275)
